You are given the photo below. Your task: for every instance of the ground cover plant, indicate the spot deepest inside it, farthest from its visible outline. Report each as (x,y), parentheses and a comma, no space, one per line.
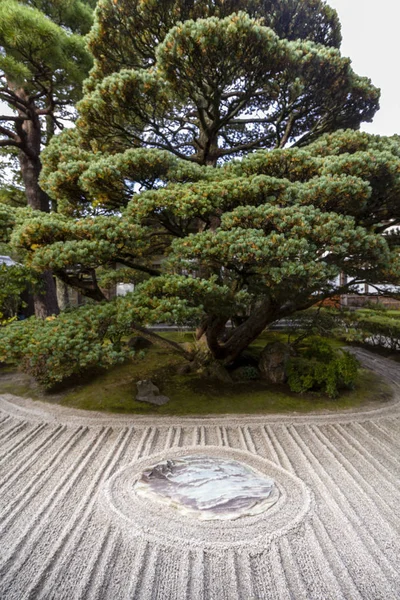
(319,366)
(114,389)
(216,159)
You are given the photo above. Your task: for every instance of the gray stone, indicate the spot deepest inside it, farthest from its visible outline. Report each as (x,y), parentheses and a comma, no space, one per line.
(273,361)
(208,488)
(216,371)
(148,392)
(156,400)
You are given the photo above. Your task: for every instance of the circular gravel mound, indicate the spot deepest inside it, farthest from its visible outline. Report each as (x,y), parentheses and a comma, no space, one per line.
(148,518)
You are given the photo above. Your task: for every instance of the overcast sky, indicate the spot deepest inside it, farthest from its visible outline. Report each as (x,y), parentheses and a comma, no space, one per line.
(370,31)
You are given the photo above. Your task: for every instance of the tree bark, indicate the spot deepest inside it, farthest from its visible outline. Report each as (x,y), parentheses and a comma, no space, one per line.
(45,301)
(240,338)
(29,160)
(62,294)
(30,134)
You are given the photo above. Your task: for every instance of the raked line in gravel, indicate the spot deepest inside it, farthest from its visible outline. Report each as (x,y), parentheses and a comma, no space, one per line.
(71,526)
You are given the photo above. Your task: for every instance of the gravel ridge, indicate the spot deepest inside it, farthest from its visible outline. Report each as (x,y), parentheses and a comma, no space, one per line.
(71,528)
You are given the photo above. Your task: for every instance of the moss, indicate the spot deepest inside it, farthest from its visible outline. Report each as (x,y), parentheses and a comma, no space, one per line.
(114,390)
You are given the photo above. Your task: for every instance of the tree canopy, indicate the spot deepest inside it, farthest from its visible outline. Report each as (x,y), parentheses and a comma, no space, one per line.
(208,81)
(43,62)
(217,161)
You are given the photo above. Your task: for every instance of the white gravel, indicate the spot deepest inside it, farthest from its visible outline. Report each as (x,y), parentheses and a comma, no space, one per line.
(72,528)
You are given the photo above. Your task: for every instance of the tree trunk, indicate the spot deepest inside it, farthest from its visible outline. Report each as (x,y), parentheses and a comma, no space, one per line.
(241,337)
(62,294)
(45,301)
(29,159)
(209,150)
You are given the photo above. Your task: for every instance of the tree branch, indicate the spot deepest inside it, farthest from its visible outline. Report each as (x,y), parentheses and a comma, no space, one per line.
(137,267)
(86,287)
(160,341)
(288,131)
(6,143)
(11,118)
(10,134)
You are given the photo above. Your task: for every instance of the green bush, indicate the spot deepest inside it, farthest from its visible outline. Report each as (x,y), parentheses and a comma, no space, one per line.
(320,367)
(14,280)
(375,307)
(58,347)
(246,373)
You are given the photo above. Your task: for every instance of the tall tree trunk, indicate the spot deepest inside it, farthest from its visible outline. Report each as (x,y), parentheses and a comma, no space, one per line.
(45,300)
(30,169)
(207,148)
(29,160)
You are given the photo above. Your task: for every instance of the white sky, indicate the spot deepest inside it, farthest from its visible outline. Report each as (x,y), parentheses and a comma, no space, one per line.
(371,38)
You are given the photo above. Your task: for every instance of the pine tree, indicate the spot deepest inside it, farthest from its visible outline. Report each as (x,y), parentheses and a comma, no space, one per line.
(43,63)
(206,82)
(217,159)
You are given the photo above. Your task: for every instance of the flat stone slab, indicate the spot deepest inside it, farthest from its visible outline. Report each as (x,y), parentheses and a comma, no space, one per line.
(208,487)
(156,400)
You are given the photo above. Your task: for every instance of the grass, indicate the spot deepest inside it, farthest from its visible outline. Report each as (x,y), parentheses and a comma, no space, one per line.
(115,390)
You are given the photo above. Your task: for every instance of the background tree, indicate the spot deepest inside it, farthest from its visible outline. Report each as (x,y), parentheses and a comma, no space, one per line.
(147,179)
(43,63)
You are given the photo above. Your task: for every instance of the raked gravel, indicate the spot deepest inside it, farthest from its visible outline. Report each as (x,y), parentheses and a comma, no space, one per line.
(72,528)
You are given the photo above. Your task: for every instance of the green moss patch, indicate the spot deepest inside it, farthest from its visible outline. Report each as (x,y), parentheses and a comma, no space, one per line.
(115,390)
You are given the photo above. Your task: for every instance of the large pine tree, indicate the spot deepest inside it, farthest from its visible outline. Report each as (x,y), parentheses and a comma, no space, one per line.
(205,162)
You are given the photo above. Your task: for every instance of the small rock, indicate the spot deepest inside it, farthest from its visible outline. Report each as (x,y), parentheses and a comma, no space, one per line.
(148,392)
(273,361)
(156,400)
(147,388)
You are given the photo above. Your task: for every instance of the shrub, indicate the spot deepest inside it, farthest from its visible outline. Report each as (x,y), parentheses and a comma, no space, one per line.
(58,347)
(320,367)
(14,280)
(373,328)
(246,373)
(375,306)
